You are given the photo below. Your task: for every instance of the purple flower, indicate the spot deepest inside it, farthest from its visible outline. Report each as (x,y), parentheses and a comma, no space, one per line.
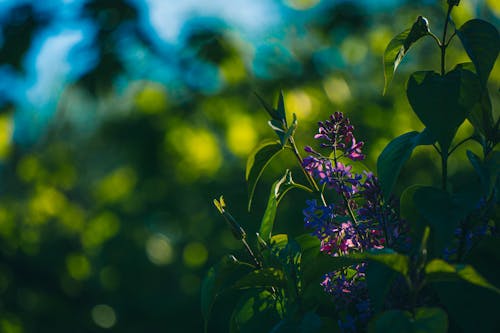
(336,133)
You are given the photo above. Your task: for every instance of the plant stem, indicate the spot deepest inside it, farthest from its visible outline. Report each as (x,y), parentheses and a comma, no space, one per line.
(458,144)
(249,250)
(444,168)
(310,179)
(443,40)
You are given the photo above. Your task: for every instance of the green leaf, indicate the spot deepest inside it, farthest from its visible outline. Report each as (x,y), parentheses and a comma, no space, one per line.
(257,312)
(219,279)
(488,171)
(380,279)
(471,308)
(396,261)
(442,103)
(425,320)
(281,109)
(441,213)
(314,270)
(399,46)
(438,270)
(481,116)
(410,214)
(272,112)
(481,41)
(309,246)
(395,155)
(267,223)
(257,162)
(261,278)
(485,255)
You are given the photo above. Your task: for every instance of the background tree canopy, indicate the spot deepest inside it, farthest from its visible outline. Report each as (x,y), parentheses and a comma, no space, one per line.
(121,120)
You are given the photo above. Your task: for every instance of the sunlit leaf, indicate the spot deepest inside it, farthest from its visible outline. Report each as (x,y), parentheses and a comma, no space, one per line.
(439,270)
(481,41)
(399,46)
(257,162)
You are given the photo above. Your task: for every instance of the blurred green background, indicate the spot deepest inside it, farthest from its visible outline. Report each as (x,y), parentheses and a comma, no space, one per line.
(121,120)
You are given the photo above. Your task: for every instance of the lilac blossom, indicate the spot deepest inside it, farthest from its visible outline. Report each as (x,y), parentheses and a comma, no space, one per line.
(360,220)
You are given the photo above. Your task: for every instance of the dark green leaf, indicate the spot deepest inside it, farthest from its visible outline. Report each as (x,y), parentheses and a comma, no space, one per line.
(394,156)
(484,256)
(425,320)
(410,214)
(471,308)
(257,162)
(314,270)
(273,113)
(438,270)
(488,171)
(257,312)
(442,212)
(309,246)
(267,223)
(380,279)
(481,41)
(442,103)
(399,46)
(219,279)
(259,278)
(281,109)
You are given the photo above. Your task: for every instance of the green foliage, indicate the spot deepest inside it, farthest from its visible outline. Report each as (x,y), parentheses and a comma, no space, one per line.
(443,103)
(412,286)
(395,155)
(257,162)
(424,320)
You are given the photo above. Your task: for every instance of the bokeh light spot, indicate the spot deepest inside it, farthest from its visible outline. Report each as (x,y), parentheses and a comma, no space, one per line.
(109,278)
(100,229)
(195,254)
(198,150)
(6,128)
(152,98)
(103,316)
(159,250)
(353,50)
(241,136)
(337,90)
(78,266)
(299,102)
(117,185)
(301,4)
(27,168)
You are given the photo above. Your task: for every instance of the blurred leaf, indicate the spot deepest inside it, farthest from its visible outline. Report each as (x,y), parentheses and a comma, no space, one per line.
(395,155)
(256,312)
(481,41)
(438,270)
(272,112)
(219,279)
(399,46)
(261,278)
(442,103)
(425,320)
(309,246)
(257,162)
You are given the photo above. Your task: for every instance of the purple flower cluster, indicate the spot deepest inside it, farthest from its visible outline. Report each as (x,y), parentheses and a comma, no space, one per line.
(337,135)
(358,221)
